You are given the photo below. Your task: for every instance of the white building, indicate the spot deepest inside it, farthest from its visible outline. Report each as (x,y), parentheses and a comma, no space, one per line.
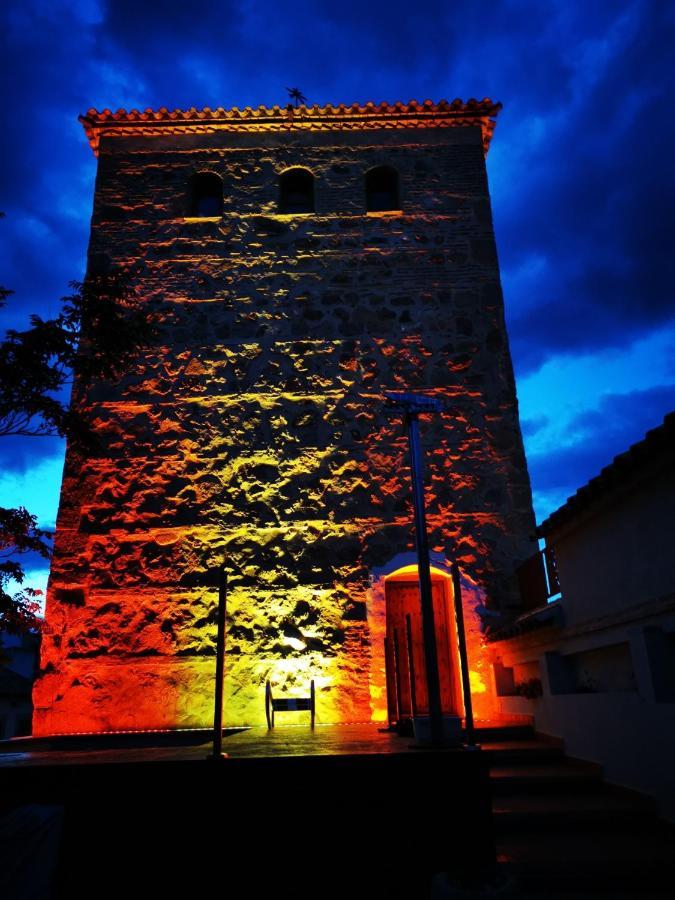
(596,666)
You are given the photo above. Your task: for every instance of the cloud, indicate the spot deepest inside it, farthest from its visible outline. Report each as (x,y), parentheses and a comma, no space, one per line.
(533,426)
(582,182)
(31,562)
(580,169)
(602,433)
(589,203)
(554,396)
(37,488)
(19,454)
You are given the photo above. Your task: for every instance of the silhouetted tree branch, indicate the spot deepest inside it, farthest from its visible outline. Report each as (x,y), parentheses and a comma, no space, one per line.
(97,335)
(18,534)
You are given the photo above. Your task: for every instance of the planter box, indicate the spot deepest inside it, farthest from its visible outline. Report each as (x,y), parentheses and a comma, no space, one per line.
(452,730)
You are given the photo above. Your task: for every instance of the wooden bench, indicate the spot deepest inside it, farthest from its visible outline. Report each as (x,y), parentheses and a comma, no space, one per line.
(288,704)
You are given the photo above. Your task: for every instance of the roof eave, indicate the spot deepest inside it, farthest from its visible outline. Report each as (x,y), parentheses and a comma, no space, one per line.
(482,113)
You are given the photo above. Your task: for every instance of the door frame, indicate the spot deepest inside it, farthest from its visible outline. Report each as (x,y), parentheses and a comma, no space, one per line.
(408,575)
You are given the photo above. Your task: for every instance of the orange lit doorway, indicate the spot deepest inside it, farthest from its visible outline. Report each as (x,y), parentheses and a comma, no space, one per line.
(404,648)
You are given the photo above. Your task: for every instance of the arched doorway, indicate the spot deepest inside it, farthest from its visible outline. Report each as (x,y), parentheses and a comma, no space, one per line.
(407,694)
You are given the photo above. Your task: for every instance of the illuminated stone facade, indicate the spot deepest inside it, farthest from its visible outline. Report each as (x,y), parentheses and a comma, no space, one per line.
(256,432)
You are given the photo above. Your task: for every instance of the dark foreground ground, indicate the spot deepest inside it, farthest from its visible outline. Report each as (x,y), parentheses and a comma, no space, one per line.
(347,812)
(341,812)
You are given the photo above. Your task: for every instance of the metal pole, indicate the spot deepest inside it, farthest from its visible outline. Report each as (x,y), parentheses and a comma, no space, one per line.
(411,666)
(387,680)
(397,673)
(220,665)
(463,658)
(424,573)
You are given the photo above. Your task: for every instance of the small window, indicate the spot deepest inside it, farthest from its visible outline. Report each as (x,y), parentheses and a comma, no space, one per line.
(296,191)
(205,196)
(382,189)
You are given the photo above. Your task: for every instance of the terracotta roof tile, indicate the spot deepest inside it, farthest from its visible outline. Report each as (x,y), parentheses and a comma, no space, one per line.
(427,114)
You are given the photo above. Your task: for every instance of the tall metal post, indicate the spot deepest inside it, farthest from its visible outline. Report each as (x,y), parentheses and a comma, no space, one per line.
(220,666)
(424,573)
(463,656)
(412,405)
(411,666)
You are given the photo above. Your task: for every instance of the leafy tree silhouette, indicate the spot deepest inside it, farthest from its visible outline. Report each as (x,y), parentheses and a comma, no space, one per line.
(97,335)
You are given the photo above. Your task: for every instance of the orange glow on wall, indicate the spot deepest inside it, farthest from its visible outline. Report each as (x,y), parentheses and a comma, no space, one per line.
(484,703)
(256,433)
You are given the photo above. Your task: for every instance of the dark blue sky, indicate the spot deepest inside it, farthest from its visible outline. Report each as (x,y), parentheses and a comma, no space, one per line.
(582,181)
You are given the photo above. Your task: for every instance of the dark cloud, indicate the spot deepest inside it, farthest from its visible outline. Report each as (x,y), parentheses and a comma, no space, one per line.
(598,198)
(340,52)
(530,427)
(602,433)
(19,454)
(30,562)
(47,172)
(582,182)
(594,193)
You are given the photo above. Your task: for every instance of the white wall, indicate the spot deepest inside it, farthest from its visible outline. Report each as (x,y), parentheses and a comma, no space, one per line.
(621,554)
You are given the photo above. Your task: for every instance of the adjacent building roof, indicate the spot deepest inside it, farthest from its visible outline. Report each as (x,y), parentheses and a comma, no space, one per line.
(658,445)
(443,114)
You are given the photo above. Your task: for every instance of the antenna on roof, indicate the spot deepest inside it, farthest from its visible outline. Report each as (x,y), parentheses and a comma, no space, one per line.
(297,95)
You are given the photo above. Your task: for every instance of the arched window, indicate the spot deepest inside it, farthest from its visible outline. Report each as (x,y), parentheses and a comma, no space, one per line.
(296,191)
(382,189)
(205,195)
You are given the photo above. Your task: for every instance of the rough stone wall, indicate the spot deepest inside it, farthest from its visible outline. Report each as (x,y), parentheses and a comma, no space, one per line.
(256,432)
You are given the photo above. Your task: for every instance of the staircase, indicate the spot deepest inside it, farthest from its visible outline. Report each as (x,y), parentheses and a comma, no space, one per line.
(563,833)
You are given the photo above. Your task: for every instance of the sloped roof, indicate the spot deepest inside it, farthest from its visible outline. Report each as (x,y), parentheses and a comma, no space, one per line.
(277,118)
(657,445)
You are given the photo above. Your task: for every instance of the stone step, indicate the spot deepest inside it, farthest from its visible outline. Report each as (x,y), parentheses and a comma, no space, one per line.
(583,848)
(553,776)
(563,833)
(609,809)
(523,751)
(590,861)
(493,733)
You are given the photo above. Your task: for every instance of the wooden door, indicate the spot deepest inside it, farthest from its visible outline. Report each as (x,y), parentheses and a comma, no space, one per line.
(403,599)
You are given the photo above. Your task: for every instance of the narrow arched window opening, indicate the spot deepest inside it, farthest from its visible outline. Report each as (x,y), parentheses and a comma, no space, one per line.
(382,189)
(205,195)
(296,191)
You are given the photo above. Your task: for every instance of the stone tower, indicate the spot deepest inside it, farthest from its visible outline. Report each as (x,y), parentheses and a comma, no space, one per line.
(305,260)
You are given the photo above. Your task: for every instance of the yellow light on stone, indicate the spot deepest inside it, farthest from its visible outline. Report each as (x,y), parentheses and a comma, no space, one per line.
(295,643)
(255,430)
(477,683)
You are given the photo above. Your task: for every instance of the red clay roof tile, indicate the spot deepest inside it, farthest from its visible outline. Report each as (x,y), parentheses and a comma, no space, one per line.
(443,114)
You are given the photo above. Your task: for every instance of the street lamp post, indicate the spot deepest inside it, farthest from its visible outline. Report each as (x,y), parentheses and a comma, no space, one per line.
(411,405)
